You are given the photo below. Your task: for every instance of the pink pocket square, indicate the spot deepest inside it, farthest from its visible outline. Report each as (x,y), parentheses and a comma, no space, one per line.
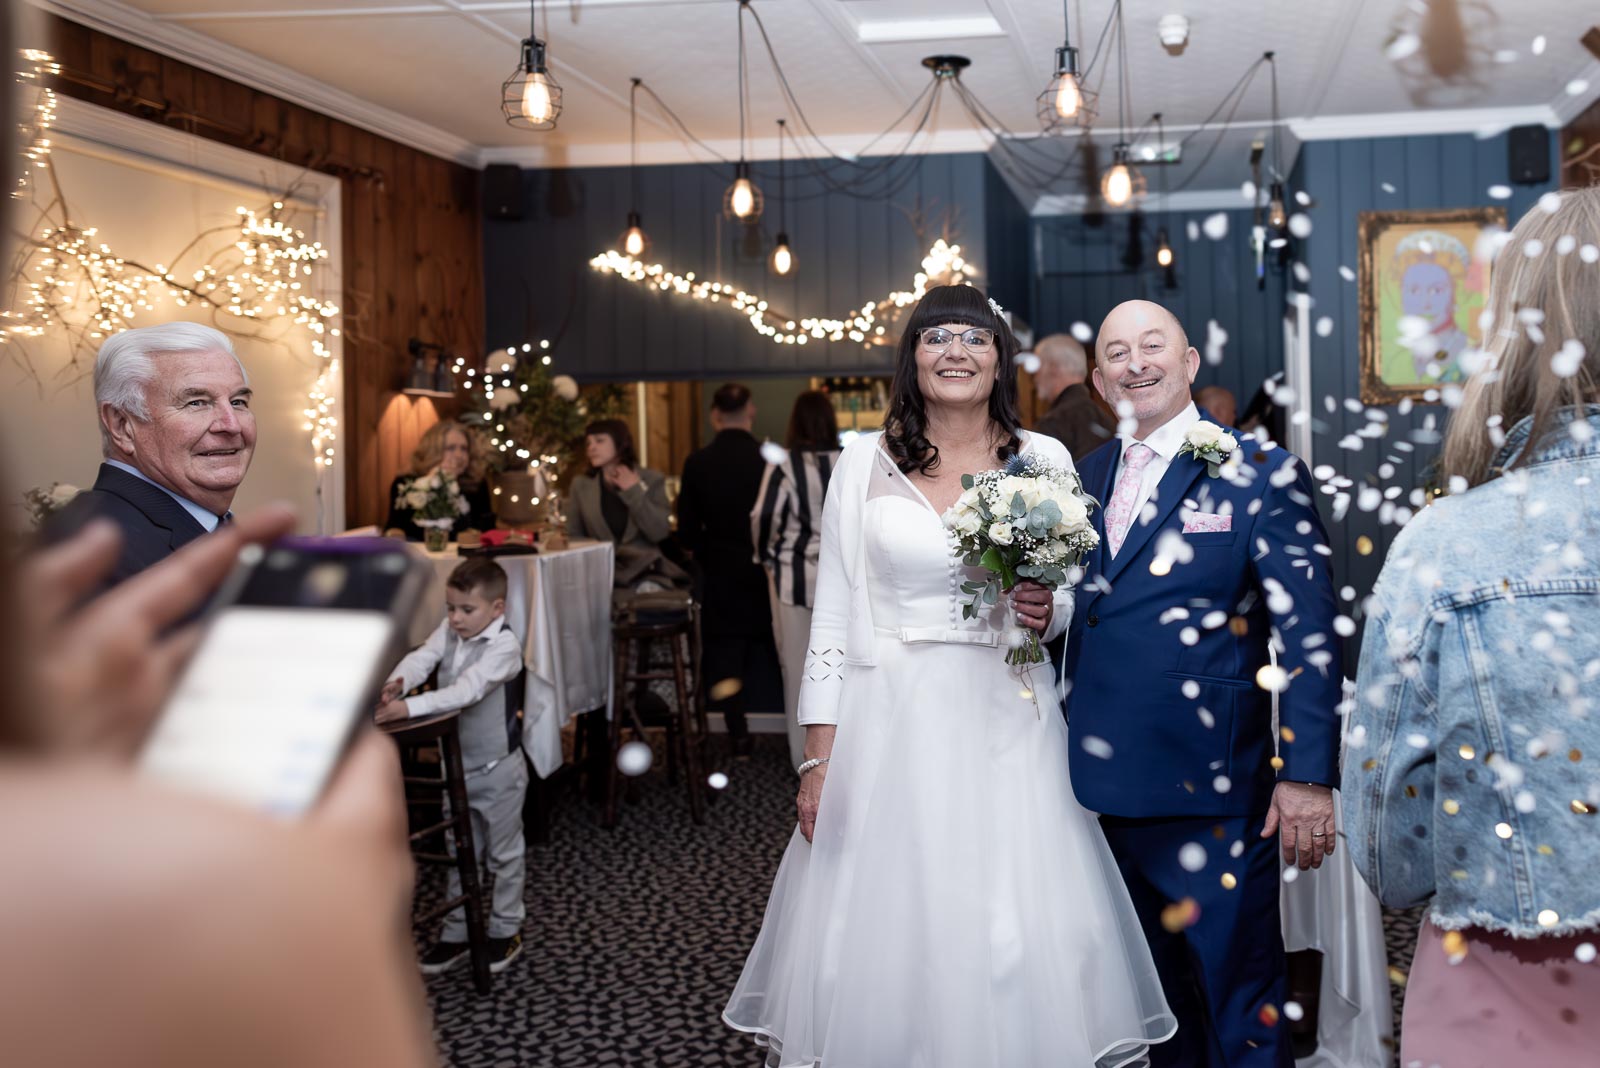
(1207,523)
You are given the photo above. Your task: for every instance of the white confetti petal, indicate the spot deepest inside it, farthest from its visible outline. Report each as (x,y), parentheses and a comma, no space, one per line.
(1325,326)
(1097,747)
(1188,636)
(1191,689)
(1589,253)
(1216,226)
(1500,192)
(1550,203)
(717,780)
(774,453)
(1248,190)
(1346,273)
(1538,45)
(1577,87)
(1192,857)
(1222,784)
(1406,44)
(1083,332)
(1585,953)
(1387,187)
(634,758)
(1272,678)
(1300,225)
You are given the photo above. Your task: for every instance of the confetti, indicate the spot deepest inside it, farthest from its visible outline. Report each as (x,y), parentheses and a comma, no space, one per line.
(1188,636)
(1500,192)
(1293,1010)
(1344,626)
(1503,830)
(1272,678)
(1083,332)
(1277,763)
(1192,857)
(776,454)
(1589,253)
(1026,360)
(1216,226)
(1538,45)
(1346,273)
(1454,944)
(1180,914)
(721,691)
(634,758)
(1364,545)
(1396,976)
(1268,1014)
(1568,359)
(1577,87)
(1207,720)
(1585,953)
(1300,225)
(1466,752)
(1403,45)
(1229,881)
(1550,203)
(1248,190)
(1191,689)
(1097,747)
(1194,230)
(1222,784)
(1325,326)
(1387,187)
(1451,806)
(1216,338)
(717,780)
(1549,917)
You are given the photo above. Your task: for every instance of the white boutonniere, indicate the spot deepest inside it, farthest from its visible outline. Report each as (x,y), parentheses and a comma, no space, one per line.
(1209,442)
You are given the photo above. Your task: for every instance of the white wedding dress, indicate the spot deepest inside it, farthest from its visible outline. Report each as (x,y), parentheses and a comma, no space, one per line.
(957,908)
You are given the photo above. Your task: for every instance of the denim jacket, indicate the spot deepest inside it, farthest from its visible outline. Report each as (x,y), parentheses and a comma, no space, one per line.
(1472,767)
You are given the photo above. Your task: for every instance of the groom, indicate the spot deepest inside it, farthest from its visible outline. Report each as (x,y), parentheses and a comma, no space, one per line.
(1170,711)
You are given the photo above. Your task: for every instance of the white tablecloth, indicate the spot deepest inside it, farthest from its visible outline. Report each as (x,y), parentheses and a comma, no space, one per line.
(559,605)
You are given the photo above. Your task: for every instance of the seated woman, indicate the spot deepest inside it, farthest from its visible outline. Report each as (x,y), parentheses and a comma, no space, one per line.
(451,449)
(621,502)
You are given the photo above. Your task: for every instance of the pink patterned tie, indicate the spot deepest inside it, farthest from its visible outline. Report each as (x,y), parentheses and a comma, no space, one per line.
(1119,513)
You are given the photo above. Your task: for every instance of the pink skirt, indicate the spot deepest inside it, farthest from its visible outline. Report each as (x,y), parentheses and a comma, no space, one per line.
(1509,1001)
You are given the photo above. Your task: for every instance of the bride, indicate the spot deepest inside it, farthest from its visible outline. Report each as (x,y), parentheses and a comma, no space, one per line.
(945,902)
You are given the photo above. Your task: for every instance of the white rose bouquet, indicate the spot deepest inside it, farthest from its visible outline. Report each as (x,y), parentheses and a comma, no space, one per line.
(43,502)
(1028,520)
(433,498)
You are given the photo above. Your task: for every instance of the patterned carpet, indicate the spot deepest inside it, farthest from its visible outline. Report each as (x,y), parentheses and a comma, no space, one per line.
(635,936)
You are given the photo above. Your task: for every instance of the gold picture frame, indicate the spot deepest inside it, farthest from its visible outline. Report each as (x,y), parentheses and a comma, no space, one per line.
(1422,287)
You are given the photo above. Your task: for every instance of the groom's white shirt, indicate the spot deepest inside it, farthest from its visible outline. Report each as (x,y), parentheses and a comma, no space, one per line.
(1165,441)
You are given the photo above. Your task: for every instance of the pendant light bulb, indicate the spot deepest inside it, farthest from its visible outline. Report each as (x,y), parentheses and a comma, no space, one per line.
(536,103)
(530,98)
(1163,250)
(1277,214)
(743,199)
(782,256)
(1118,185)
(1068,96)
(634,240)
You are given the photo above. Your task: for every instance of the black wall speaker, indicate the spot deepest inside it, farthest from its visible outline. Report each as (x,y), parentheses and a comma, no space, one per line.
(502,191)
(1528,154)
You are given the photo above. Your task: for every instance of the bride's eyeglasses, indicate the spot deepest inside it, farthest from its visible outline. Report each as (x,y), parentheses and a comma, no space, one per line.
(938,339)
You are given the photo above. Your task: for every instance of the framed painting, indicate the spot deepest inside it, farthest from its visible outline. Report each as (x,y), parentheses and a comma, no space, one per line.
(1423,286)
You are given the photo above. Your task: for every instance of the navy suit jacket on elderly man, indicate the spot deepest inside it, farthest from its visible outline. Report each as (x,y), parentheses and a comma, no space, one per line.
(1173,740)
(153,522)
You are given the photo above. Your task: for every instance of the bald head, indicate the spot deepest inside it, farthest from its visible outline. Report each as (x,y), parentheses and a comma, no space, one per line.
(1144,364)
(1062,363)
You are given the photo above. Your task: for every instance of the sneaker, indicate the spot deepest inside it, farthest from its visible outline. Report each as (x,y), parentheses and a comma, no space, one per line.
(442,957)
(502,951)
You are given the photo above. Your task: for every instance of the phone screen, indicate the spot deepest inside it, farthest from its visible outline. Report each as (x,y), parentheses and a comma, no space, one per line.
(287,665)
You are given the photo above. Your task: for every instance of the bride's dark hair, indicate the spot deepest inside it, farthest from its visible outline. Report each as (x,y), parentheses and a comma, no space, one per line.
(905,431)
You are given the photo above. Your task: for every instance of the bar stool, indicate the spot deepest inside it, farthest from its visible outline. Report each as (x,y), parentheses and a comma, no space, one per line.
(440,729)
(632,640)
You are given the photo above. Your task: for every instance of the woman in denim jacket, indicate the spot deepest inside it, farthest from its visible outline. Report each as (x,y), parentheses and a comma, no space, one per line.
(1472,773)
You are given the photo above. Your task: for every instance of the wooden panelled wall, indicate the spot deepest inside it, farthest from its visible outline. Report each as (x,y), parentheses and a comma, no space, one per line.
(849,250)
(412,233)
(1379,174)
(1082,276)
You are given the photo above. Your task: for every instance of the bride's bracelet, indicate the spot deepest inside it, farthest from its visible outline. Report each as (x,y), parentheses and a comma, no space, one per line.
(814,762)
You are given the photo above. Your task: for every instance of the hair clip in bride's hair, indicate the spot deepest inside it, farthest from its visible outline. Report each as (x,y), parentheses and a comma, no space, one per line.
(994,306)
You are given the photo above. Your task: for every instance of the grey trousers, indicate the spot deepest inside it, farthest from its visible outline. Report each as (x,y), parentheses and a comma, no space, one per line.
(495,799)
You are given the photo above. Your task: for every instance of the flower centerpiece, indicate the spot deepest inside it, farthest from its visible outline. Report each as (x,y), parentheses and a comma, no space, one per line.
(43,502)
(435,501)
(1027,520)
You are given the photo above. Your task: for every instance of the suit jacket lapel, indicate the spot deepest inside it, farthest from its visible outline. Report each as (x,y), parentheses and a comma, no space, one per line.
(1170,492)
(1098,485)
(156,503)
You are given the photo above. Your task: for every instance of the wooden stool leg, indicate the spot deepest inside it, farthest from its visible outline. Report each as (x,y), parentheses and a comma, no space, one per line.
(466,858)
(680,719)
(618,712)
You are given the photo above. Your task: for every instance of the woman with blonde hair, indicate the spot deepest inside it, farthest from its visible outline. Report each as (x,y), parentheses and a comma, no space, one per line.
(451,449)
(1468,778)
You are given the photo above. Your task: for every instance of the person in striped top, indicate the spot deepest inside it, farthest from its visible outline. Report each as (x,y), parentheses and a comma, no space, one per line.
(786,526)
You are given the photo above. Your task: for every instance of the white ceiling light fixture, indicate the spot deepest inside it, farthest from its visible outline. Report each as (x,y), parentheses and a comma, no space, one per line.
(1174,32)
(531,99)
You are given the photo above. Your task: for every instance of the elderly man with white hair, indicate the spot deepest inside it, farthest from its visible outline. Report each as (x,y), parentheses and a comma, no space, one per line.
(177,434)
(1073,414)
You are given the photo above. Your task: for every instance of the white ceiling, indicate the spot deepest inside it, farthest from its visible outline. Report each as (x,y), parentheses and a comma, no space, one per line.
(428,72)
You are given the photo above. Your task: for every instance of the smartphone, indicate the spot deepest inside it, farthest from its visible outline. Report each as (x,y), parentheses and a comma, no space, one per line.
(296,647)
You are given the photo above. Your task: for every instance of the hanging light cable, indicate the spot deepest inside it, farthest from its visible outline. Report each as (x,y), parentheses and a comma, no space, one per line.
(531,99)
(782,256)
(1163,246)
(1277,211)
(1065,102)
(1121,183)
(635,242)
(743,199)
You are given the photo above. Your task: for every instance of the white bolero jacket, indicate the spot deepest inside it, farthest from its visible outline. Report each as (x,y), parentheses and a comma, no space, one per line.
(842,632)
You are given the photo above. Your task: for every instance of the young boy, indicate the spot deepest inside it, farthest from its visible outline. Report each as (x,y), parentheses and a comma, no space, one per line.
(477,657)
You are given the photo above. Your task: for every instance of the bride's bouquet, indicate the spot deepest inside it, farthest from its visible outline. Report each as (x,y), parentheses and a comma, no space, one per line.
(1028,520)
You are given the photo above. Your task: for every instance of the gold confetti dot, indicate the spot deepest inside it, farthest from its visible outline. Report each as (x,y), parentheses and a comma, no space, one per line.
(1411,791)
(1546,851)
(1454,944)
(1467,752)
(1364,545)
(1180,914)
(1277,763)
(1581,809)
(1228,881)
(1219,832)
(1268,1015)
(1451,806)
(1161,567)
(1287,733)
(1575,755)
(721,691)
(1549,917)
(1503,830)
(1396,976)
(1239,625)
(1458,875)
(1368,765)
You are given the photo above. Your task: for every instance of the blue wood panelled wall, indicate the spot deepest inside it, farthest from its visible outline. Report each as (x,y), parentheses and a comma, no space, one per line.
(1082,276)
(1379,174)
(538,283)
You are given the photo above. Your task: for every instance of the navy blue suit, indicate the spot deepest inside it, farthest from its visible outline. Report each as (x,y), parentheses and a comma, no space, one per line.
(1160,665)
(153,524)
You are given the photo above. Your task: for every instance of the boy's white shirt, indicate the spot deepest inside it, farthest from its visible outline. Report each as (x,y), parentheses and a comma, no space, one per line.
(842,633)
(500,663)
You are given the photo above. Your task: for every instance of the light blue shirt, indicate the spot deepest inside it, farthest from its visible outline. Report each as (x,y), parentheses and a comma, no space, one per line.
(205,517)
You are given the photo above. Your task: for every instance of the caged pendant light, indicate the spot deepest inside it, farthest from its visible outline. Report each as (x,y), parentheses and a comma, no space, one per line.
(1122,182)
(531,99)
(1065,103)
(743,200)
